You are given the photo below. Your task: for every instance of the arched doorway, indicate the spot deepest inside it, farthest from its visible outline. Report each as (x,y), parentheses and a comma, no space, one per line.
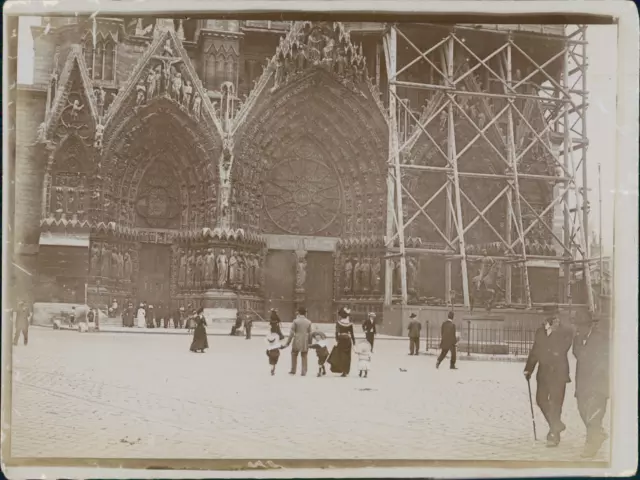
(160,181)
(309,169)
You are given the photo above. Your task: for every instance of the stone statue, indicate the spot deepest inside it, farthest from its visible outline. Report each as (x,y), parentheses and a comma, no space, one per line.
(59,201)
(242,270)
(233,269)
(106,261)
(199,269)
(412,273)
(196,105)
(128,267)
(120,264)
(152,82)
(95,259)
(301,270)
(222,265)
(167,50)
(191,264)
(71,200)
(376,278)
(182,268)
(99,135)
(357,276)
(141,94)
(209,268)
(397,287)
(114,262)
(348,276)
(76,108)
(187,90)
(176,82)
(250,279)
(258,271)
(366,274)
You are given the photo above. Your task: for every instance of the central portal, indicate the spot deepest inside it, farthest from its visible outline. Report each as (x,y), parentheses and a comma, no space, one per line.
(155,274)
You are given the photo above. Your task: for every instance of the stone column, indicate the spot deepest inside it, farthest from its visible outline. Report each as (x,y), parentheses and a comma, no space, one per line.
(301,275)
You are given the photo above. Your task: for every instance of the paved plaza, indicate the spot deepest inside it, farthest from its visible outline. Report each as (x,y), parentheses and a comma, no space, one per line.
(118,395)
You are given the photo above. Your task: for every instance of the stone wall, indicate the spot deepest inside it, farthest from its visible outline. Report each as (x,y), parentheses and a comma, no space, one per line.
(29,169)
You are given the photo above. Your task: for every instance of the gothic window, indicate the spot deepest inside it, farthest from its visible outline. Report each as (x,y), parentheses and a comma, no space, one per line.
(98,61)
(219,75)
(87,46)
(109,61)
(100,58)
(230,77)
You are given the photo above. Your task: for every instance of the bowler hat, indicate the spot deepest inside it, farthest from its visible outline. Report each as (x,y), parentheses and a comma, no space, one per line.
(413,315)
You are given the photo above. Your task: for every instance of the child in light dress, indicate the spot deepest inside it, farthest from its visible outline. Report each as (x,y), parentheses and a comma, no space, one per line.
(273,351)
(363,350)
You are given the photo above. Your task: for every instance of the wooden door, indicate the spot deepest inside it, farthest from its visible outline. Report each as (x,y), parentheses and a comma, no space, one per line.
(154,276)
(280,283)
(319,287)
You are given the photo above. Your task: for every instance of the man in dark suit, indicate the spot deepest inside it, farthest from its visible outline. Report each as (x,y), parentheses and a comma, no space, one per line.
(448,342)
(414,334)
(550,349)
(369,327)
(591,349)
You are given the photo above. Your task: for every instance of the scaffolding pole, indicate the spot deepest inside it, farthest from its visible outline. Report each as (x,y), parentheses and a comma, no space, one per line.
(454,90)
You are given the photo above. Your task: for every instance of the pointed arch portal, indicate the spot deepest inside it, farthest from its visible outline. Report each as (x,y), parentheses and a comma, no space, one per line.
(312,159)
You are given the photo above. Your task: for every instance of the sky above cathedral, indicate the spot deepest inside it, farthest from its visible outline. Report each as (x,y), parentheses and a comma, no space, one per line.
(601,116)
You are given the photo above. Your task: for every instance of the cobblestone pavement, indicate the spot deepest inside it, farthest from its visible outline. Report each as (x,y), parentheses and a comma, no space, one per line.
(146,396)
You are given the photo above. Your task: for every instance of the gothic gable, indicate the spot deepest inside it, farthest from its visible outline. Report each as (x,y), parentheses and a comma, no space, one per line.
(309,47)
(166,71)
(73,110)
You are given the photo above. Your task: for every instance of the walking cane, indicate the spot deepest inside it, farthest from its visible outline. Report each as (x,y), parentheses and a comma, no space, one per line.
(533,419)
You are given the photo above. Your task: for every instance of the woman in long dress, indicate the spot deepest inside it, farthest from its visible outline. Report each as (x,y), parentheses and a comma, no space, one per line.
(340,357)
(141,317)
(200,341)
(275,324)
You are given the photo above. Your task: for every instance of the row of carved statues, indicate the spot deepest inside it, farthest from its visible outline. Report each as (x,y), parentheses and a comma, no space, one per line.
(212,267)
(336,55)
(364,275)
(112,261)
(69,200)
(165,79)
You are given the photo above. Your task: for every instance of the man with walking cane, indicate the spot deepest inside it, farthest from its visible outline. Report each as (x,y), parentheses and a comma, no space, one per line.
(591,349)
(549,352)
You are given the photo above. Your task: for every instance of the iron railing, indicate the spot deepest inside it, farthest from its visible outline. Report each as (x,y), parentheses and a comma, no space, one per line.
(512,341)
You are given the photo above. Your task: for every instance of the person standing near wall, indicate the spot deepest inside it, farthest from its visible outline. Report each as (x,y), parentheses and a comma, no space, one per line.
(22,319)
(369,327)
(414,334)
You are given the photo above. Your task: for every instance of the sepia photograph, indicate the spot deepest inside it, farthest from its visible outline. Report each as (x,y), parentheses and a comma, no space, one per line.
(246,244)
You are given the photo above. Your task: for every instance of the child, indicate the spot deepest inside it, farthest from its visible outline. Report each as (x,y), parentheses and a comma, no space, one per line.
(363,350)
(273,351)
(319,344)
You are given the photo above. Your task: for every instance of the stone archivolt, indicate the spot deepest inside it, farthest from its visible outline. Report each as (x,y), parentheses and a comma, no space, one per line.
(311,129)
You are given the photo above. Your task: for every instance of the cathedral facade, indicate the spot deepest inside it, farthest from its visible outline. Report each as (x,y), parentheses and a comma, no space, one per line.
(211,162)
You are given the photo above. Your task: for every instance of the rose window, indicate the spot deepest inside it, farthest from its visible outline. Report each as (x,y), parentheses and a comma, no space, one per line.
(302,196)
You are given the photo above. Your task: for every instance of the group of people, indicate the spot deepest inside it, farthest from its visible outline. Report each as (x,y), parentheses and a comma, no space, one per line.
(302,338)
(591,346)
(448,339)
(146,316)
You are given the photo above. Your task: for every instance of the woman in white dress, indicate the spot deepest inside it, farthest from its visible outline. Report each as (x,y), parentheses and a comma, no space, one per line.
(141,319)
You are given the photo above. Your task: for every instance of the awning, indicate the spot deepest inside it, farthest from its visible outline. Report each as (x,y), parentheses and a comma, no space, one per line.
(58,239)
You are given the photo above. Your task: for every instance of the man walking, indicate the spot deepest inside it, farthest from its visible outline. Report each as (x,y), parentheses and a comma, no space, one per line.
(22,319)
(551,346)
(448,340)
(591,349)
(414,334)
(369,327)
(300,335)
